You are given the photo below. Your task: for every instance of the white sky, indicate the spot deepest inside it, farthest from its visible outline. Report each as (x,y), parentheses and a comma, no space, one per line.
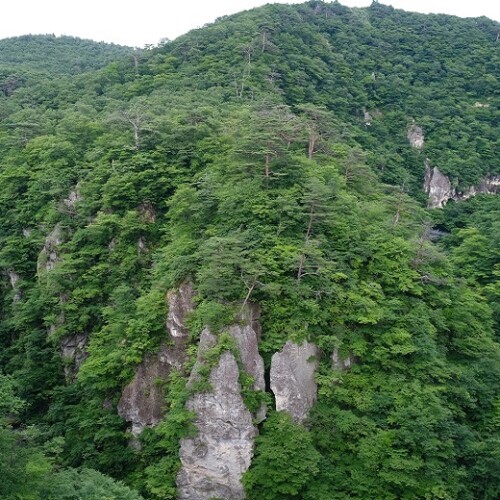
(142,22)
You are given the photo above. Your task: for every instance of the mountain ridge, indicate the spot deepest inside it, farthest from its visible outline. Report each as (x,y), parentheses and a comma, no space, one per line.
(219,276)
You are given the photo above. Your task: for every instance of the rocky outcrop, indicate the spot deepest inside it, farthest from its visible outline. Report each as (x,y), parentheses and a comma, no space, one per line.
(292,379)
(437,186)
(415,136)
(246,333)
(14,279)
(73,349)
(180,304)
(147,212)
(440,190)
(142,400)
(342,363)
(48,257)
(489,185)
(74,197)
(214,461)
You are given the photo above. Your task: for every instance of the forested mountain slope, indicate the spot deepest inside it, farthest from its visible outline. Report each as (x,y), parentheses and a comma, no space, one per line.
(57,54)
(219,274)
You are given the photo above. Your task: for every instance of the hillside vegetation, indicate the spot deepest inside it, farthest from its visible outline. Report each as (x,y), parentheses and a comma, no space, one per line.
(265,160)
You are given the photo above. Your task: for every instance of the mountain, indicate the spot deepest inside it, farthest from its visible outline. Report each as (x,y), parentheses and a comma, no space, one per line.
(259,261)
(63,55)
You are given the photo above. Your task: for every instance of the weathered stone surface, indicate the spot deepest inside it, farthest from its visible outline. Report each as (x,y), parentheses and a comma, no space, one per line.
(14,279)
(73,352)
(48,256)
(142,400)
(141,245)
(440,189)
(367,117)
(148,213)
(415,136)
(246,334)
(437,186)
(180,304)
(490,185)
(292,379)
(214,461)
(207,341)
(73,198)
(342,363)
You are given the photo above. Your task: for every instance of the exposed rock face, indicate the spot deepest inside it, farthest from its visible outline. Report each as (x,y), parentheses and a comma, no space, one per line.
(48,256)
(73,198)
(73,352)
(437,186)
(342,363)
(490,185)
(142,401)
(147,212)
(367,117)
(14,279)
(141,245)
(416,136)
(440,190)
(292,379)
(180,303)
(214,461)
(245,334)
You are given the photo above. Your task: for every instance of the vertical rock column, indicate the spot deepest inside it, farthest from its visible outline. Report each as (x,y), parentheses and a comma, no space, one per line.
(214,461)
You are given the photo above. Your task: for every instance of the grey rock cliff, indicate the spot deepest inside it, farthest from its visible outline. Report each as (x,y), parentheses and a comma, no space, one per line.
(73,353)
(214,461)
(246,333)
(142,400)
(74,197)
(48,257)
(415,136)
(440,190)
(342,363)
(180,304)
(437,186)
(292,379)
(14,280)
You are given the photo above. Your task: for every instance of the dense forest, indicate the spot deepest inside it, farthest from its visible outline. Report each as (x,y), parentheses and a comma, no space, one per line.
(219,273)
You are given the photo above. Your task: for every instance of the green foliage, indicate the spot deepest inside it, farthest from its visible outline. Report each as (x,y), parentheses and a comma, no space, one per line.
(285,460)
(265,160)
(73,484)
(57,55)
(161,445)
